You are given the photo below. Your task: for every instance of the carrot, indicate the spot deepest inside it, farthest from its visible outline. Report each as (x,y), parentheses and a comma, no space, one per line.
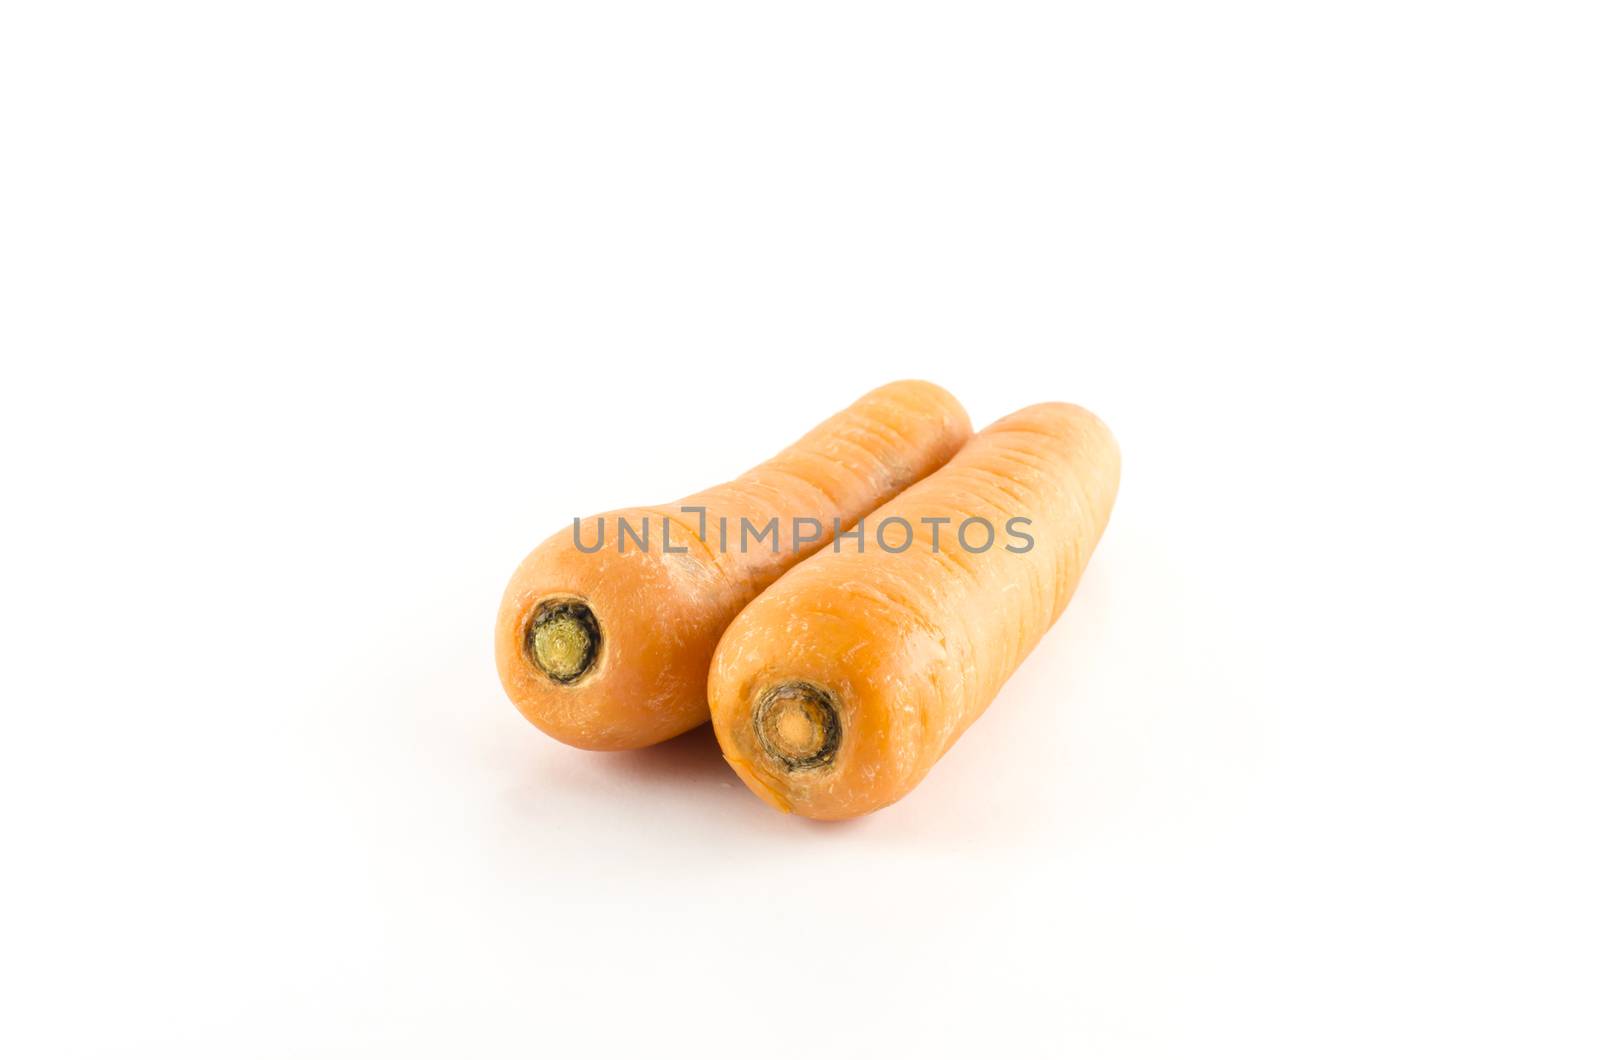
(606,631)
(837,690)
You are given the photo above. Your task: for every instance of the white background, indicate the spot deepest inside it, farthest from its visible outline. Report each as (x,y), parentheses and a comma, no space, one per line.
(294,293)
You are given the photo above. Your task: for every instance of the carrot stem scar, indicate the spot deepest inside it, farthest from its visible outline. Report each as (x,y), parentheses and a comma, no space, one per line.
(563,640)
(798,724)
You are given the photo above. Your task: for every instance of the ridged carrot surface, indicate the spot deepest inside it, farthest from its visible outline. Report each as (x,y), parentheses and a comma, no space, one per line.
(836,690)
(610,649)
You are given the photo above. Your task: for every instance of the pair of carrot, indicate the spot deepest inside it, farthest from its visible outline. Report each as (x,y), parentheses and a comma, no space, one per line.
(834,682)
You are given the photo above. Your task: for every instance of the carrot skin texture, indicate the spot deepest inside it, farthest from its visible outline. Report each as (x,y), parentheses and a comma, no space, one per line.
(659,614)
(912,647)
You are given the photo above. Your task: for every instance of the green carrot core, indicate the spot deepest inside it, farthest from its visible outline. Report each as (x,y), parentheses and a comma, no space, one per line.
(563,640)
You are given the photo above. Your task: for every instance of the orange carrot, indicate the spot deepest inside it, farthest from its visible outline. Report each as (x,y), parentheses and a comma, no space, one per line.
(608,647)
(837,690)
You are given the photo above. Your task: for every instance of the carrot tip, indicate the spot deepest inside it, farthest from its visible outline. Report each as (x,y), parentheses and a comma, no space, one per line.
(563,640)
(798,725)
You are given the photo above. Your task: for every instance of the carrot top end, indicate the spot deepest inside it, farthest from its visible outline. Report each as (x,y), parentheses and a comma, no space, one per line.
(797,725)
(563,640)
